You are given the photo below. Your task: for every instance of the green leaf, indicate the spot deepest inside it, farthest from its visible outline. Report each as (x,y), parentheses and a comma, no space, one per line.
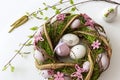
(71,2)
(29,43)
(41,13)
(73,8)
(12,68)
(54,7)
(34,15)
(61,1)
(46,18)
(34,28)
(46,8)
(30,36)
(4,68)
(44,4)
(57,11)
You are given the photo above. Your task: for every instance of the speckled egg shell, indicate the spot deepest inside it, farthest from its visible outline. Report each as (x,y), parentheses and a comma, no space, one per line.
(46,74)
(75,24)
(62,49)
(86,66)
(70,39)
(39,56)
(103,60)
(78,51)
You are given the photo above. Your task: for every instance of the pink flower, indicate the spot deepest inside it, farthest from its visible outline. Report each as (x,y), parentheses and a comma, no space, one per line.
(89,21)
(59,76)
(60,17)
(96,44)
(78,72)
(50,72)
(37,38)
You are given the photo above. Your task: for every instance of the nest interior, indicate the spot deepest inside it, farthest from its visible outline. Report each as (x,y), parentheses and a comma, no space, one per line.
(87,34)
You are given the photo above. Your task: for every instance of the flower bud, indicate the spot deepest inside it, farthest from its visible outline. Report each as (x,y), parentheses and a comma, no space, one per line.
(19,22)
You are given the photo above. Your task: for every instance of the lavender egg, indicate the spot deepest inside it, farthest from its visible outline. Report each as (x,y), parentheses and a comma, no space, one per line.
(62,49)
(70,39)
(75,24)
(86,66)
(39,56)
(47,73)
(103,61)
(77,51)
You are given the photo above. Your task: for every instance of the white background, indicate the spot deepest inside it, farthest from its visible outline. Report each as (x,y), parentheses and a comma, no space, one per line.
(10,10)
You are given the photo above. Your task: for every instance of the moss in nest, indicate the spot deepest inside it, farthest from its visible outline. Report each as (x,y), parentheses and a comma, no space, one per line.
(66,70)
(96,72)
(48,61)
(45,45)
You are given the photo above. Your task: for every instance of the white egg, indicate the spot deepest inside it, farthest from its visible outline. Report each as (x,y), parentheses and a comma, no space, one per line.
(47,73)
(70,39)
(86,66)
(104,61)
(110,14)
(75,24)
(39,56)
(62,49)
(78,52)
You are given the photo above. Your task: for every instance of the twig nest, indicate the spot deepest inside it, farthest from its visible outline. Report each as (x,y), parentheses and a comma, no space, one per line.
(47,73)
(77,51)
(62,49)
(70,39)
(103,61)
(71,48)
(75,24)
(86,66)
(110,14)
(39,56)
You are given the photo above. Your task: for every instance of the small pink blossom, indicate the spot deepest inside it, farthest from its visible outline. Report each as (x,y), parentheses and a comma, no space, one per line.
(38,38)
(59,76)
(96,44)
(60,17)
(78,72)
(50,72)
(89,21)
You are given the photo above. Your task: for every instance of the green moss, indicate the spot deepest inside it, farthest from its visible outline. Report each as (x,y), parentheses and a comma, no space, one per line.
(66,70)
(45,45)
(96,72)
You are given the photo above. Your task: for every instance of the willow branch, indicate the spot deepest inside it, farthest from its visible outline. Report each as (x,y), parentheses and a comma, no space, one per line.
(53,65)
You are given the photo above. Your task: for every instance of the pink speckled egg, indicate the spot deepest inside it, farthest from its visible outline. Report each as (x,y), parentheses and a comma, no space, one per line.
(75,24)
(86,66)
(103,61)
(47,73)
(62,49)
(39,56)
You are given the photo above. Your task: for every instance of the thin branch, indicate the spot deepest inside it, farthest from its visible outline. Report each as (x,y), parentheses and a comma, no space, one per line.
(56,4)
(18,52)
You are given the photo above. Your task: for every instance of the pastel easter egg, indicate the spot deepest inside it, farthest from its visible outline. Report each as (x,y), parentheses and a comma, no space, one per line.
(103,61)
(47,73)
(39,56)
(62,49)
(110,14)
(75,24)
(77,52)
(86,66)
(70,39)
